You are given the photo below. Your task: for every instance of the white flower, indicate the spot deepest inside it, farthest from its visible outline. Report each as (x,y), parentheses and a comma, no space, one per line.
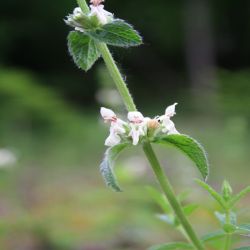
(108,114)
(96,2)
(103,16)
(137,125)
(77,12)
(117,127)
(113,139)
(170,110)
(168,125)
(73,19)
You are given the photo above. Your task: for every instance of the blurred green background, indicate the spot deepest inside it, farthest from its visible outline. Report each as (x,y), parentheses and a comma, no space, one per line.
(195,52)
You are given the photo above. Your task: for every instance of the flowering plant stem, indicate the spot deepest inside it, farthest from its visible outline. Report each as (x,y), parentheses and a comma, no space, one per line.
(228,235)
(169,192)
(227,242)
(150,154)
(117,77)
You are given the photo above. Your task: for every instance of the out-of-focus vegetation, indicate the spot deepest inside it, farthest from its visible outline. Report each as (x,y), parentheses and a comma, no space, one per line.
(53,196)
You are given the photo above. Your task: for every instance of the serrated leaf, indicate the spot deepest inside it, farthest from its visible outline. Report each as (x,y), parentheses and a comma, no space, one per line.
(172,246)
(83,50)
(118,33)
(106,166)
(188,146)
(213,236)
(213,193)
(239,196)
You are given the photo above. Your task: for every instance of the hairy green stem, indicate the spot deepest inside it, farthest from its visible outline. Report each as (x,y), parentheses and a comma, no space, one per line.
(83,5)
(128,101)
(117,77)
(228,235)
(169,192)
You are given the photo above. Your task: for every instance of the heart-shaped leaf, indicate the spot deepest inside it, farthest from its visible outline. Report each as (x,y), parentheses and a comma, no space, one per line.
(83,50)
(189,147)
(106,166)
(118,33)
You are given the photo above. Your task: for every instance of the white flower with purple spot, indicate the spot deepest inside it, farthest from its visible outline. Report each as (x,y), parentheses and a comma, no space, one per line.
(137,125)
(117,127)
(166,122)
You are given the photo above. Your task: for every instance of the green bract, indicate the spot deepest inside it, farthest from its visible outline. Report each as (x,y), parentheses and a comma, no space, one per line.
(83,50)
(106,166)
(82,43)
(117,33)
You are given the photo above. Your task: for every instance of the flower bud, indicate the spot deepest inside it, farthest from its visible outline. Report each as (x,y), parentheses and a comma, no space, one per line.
(153,124)
(226,191)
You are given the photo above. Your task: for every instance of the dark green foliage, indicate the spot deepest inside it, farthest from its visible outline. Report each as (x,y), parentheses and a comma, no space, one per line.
(83,50)
(189,147)
(117,33)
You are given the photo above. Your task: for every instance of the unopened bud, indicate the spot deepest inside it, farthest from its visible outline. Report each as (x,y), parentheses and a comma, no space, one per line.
(153,124)
(226,190)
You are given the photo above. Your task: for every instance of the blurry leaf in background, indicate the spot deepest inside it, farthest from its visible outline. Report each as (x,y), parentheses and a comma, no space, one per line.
(172,246)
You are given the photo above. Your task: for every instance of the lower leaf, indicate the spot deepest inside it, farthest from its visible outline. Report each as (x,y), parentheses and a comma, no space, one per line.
(106,166)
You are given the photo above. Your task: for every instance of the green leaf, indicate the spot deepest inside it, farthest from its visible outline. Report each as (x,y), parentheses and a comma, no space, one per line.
(172,246)
(213,193)
(118,33)
(160,199)
(189,209)
(244,227)
(226,190)
(213,236)
(239,196)
(83,50)
(188,146)
(106,166)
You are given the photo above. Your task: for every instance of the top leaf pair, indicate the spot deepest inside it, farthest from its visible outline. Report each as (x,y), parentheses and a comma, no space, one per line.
(98,25)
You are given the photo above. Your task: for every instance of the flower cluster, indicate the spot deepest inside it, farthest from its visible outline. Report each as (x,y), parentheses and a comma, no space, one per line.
(138,126)
(97,16)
